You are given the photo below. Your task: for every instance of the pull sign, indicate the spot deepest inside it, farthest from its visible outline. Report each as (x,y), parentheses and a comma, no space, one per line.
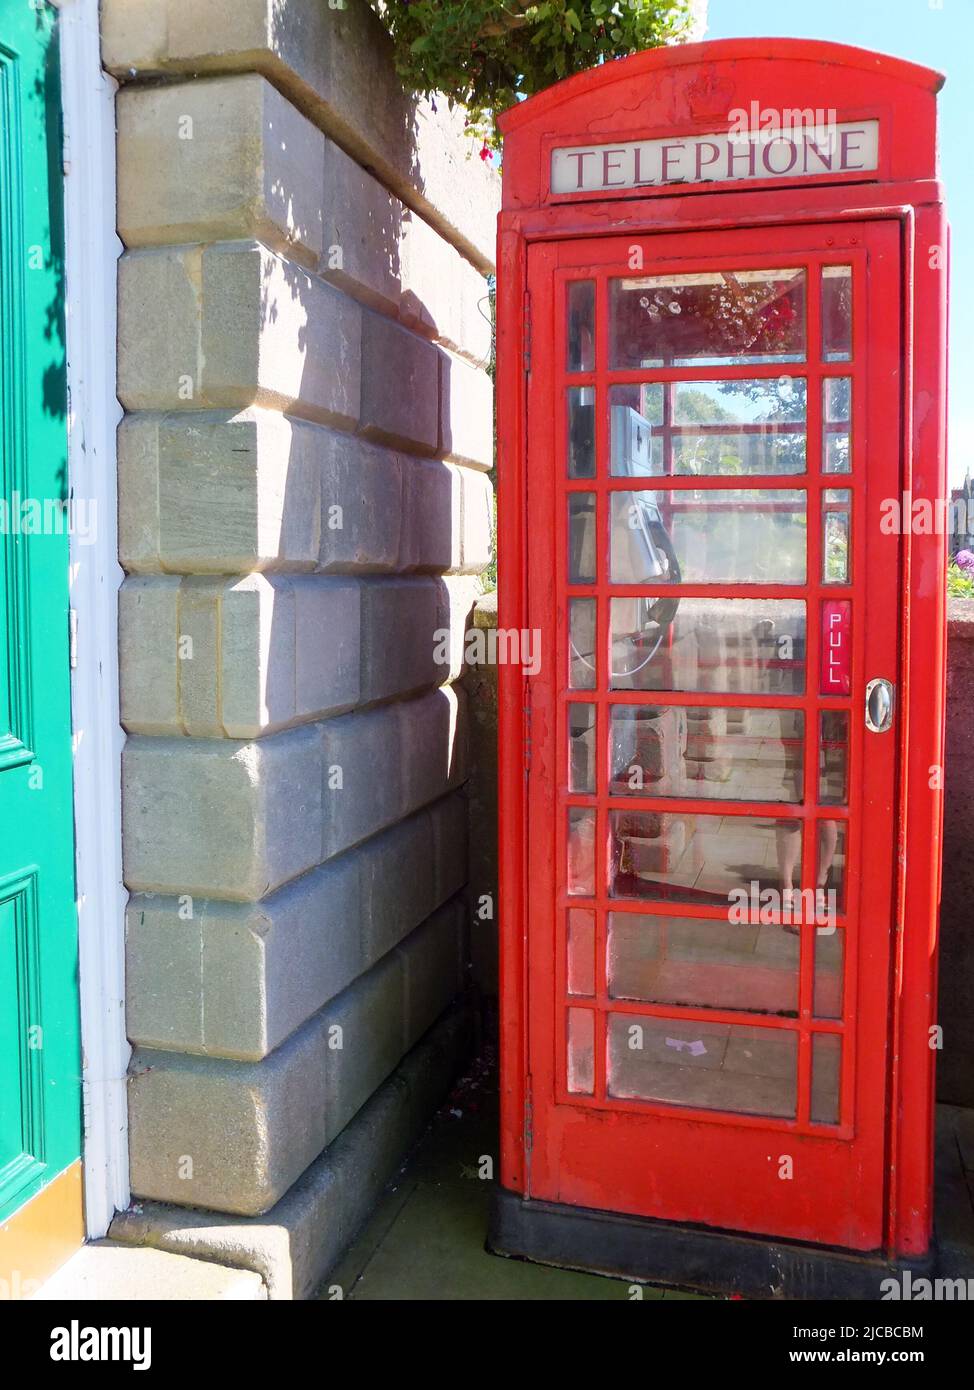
(836,646)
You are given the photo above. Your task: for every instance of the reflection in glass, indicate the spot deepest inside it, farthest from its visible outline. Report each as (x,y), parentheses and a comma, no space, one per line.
(581,431)
(636,430)
(830,866)
(836,530)
(836,313)
(712,536)
(581,751)
(581,951)
(710,1066)
(833,757)
(827,995)
(581,538)
(581,1051)
(720,861)
(707,752)
(699,428)
(581,851)
(702,964)
(837,424)
(707,318)
(826,1075)
(581,643)
(581,326)
(749,646)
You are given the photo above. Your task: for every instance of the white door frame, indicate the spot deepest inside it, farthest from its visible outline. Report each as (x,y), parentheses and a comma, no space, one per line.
(91,252)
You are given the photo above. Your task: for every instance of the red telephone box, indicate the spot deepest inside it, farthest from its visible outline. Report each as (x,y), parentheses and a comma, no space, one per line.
(721,357)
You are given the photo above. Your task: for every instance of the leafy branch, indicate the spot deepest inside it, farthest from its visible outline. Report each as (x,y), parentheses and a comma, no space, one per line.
(485,55)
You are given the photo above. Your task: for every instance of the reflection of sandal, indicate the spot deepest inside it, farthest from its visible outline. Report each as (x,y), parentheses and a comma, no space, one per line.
(788,899)
(824,914)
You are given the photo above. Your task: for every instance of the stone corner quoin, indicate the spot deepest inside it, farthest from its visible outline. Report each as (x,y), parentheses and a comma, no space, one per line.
(304,506)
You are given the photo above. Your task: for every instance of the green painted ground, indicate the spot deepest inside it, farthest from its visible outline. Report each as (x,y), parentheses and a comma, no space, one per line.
(426,1238)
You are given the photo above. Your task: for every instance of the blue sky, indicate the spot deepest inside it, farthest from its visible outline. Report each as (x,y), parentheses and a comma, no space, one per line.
(938,34)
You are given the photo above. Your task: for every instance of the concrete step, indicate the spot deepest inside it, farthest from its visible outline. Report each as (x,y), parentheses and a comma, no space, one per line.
(107,1271)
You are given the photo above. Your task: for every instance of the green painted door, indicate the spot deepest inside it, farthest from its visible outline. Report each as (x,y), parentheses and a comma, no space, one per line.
(40,1084)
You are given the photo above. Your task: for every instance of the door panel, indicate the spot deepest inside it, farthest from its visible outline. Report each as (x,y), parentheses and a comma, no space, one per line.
(40,1089)
(714,424)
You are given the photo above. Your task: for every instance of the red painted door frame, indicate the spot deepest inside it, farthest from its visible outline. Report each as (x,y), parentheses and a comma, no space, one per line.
(633,1156)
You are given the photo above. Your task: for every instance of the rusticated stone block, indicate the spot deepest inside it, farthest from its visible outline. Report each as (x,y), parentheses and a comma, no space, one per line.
(248,1130)
(221,818)
(217,160)
(336,66)
(399,386)
(233,325)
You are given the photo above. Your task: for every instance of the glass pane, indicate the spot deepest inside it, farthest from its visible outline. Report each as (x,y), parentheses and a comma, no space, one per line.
(581,642)
(837,313)
(581,851)
(826,1073)
(581,1051)
(829,949)
(721,861)
(830,868)
(704,964)
(581,432)
(581,326)
(704,428)
(636,428)
(717,536)
(833,757)
(581,751)
(581,951)
(707,752)
(837,424)
(750,646)
(836,530)
(707,318)
(711,1066)
(581,538)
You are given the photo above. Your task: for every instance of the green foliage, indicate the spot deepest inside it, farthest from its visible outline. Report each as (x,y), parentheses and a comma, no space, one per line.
(960,584)
(485,54)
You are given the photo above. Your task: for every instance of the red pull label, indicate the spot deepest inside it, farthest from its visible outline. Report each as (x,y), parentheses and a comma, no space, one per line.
(836,646)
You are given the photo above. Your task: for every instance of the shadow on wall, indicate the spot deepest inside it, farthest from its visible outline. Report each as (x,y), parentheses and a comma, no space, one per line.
(364,390)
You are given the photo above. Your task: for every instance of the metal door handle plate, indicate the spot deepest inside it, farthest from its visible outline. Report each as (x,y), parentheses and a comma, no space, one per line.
(879,706)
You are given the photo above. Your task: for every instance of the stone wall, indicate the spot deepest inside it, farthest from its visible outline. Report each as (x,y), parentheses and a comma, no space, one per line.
(955,1062)
(480,684)
(304,505)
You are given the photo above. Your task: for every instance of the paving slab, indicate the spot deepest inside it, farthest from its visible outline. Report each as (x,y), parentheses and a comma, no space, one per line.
(108,1271)
(425,1240)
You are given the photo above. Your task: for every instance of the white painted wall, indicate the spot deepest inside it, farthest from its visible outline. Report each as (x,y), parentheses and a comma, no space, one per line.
(92,249)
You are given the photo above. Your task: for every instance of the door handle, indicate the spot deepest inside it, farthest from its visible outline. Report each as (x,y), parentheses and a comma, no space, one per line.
(879,706)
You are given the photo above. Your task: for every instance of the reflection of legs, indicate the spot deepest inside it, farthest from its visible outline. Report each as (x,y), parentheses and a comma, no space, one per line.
(789,840)
(828,834)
